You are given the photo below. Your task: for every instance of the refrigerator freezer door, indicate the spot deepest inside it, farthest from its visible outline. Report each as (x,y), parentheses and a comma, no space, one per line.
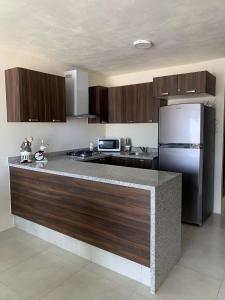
(181,124)
(189,163)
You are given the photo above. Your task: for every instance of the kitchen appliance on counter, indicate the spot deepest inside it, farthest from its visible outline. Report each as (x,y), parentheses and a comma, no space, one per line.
(186,145)
(109,144)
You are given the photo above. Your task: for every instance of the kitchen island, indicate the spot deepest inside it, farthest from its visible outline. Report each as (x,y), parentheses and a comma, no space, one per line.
(126,219)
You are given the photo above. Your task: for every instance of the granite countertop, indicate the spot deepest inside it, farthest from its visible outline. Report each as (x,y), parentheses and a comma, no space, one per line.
(66,166)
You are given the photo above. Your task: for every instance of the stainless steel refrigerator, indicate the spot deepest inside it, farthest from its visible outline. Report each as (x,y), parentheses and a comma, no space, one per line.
(186,145)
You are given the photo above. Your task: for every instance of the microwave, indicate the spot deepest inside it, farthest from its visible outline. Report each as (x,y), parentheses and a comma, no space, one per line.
(109,144)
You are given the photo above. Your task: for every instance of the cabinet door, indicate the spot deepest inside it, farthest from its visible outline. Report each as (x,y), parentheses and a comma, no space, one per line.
(98,104)
(194,83)
(116,105)
(34,96)
(130,103)
(165,86)
(143,163)
(147,107)
(55,108)
(22,95)
(53,104)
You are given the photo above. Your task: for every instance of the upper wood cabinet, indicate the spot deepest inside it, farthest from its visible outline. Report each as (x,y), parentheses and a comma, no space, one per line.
(98,104)
(116,104)
(133,104)
(196,83)
(184,84)
(34,96)
(165,86)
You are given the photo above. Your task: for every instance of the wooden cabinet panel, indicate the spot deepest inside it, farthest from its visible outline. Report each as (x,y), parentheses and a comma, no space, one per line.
(165,86)
(53,108)
(23,95)
(98,104)
(133,104)
(130,103)
(103,160)
(111,217)
(184,84)
(34,96)
(116,105)
(147,108)
(196,83)
(132,162)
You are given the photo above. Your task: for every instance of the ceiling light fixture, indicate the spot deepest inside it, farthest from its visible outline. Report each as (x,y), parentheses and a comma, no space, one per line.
(143,44)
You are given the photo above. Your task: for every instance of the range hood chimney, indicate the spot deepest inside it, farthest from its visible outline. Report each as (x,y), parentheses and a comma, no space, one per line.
(77,98)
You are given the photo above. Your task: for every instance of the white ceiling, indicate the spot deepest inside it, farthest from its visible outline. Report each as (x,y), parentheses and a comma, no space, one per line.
(98,34)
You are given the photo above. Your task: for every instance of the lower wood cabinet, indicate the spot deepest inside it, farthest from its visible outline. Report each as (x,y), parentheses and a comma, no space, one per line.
(132,162)
(110,217)
(33,96)
(125,161)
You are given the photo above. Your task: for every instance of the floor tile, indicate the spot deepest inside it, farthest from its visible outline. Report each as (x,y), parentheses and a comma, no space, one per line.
(7,294)
(215,220)
(207,260)
(13,233)
(85,285)
(183,284)
(39,275)
(14,251)
(113,276)
(76,260)
(221,294)
(138,297)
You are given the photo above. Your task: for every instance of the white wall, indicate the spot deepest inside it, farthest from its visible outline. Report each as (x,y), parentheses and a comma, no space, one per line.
(147,134)
(73,134)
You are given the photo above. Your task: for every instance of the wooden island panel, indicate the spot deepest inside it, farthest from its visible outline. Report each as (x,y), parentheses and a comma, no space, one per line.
(112,217)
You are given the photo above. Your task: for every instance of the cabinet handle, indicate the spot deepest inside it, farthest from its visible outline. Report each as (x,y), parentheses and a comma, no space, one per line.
(191,91)
(33,120)
(150,121)
(164,94)
(130,121)
(56,120)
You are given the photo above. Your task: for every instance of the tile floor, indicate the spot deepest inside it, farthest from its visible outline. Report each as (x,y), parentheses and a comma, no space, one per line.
(31,269)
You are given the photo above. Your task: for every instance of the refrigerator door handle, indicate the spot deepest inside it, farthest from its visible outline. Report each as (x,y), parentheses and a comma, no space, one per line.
(186,146)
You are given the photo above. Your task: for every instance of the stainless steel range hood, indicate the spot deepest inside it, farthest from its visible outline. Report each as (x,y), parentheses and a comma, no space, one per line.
(77,98)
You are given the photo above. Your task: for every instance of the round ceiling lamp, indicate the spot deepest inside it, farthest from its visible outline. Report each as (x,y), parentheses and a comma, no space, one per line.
(142,44)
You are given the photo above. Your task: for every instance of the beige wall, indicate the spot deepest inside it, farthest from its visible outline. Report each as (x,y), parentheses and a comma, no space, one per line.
(147,135)
(74,133)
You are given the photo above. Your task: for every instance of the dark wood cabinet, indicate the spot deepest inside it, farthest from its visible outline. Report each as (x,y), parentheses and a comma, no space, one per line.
(111,217)
(195,83)
(130,103)
(165,86)
(124,162)
(147,107)
(132,162)
(103,160)
(34,96)
(98,104)
(133,104)
(116,104)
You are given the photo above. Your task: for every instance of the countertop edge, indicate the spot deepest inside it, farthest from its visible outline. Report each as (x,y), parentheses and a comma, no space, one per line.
(85,177)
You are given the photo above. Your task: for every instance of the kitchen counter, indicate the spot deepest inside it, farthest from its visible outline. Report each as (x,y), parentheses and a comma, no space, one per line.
(131,216)
(68,166)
